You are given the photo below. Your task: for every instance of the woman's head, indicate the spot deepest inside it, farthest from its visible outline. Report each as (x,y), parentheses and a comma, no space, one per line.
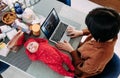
(31,45)
(103,23)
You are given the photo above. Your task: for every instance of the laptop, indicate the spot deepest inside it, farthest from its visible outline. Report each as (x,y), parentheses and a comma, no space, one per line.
(54,29)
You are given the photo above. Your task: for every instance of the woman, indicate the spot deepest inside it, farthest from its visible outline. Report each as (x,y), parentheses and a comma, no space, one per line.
(91,57)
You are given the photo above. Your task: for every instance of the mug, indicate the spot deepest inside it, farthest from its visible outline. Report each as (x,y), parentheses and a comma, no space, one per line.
(36,29)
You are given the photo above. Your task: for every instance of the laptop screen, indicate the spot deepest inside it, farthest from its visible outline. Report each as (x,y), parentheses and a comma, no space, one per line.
(50,23)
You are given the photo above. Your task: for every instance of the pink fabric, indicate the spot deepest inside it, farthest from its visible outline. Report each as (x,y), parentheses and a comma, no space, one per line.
(51,56)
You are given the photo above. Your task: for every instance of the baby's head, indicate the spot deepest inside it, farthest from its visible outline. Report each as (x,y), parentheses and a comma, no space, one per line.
(31,45)
(103,23)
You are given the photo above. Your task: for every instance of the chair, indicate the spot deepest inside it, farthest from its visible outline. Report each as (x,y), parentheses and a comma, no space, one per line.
(112,69)
(3,67)
(67,2)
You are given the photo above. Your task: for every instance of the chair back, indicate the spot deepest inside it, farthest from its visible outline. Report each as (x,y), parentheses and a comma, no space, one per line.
(3,66)
(112,69)
(67,2)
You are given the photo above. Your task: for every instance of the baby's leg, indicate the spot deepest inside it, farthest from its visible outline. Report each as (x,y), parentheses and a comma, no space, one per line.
(60,69)
(66,59)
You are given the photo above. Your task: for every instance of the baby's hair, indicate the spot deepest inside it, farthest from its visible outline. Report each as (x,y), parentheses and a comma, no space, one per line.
(103,23)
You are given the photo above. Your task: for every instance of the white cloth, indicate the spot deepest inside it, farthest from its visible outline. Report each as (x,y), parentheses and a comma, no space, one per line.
(11,34)
(3,49)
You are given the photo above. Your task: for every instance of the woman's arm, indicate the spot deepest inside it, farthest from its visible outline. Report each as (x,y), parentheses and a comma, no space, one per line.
(76,58)
(67,47)
(85,31)
(72,32)
(91,66)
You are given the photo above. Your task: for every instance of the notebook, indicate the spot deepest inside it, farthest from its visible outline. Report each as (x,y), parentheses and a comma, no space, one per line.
(54,29)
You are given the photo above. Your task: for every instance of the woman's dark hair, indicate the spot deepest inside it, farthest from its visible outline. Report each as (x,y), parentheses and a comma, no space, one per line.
(103,23)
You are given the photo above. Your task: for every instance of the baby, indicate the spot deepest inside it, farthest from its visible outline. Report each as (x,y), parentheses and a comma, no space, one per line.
(39,49)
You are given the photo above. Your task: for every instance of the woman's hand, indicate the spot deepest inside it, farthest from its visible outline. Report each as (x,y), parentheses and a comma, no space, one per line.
(64,46)
(72,32)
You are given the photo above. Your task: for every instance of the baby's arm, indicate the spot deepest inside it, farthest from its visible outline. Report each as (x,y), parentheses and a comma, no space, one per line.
(66,59)
(39,40)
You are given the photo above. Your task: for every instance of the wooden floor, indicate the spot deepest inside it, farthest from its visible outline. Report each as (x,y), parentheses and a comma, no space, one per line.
(109,3)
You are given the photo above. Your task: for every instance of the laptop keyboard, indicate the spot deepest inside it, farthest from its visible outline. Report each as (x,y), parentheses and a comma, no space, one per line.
(59,32)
